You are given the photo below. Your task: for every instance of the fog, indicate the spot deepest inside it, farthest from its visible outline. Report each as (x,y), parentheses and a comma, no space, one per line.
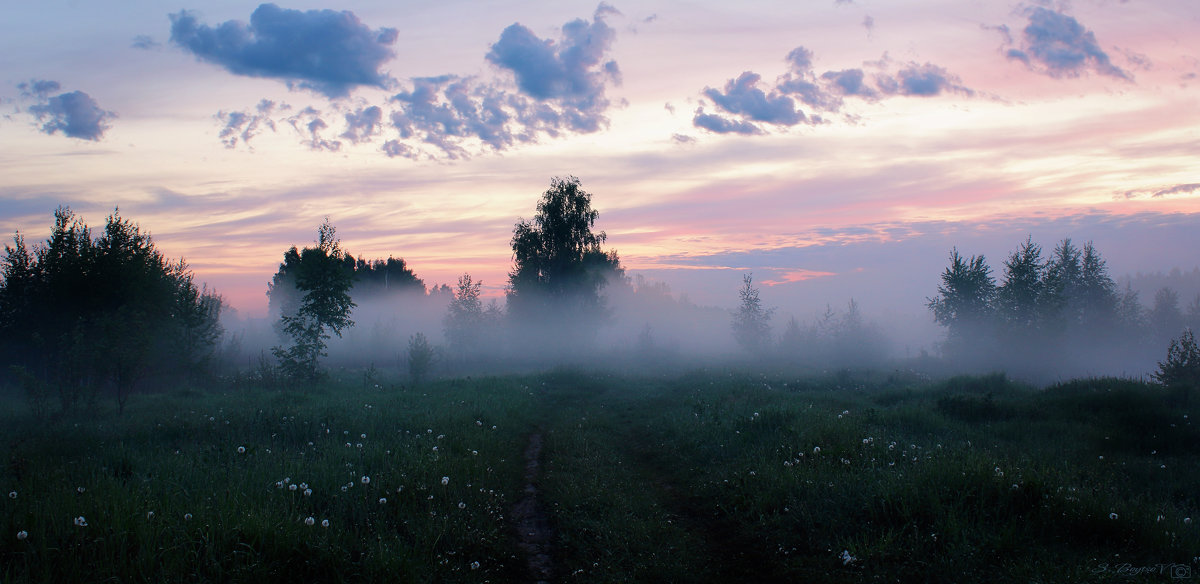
(646,326)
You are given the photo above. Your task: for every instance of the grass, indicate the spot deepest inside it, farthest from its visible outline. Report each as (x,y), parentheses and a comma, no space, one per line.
(709,476)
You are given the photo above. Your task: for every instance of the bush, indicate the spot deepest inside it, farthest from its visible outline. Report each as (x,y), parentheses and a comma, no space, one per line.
(1181,370)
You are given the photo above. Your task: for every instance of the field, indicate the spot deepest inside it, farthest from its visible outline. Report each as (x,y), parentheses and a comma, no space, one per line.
(573,476)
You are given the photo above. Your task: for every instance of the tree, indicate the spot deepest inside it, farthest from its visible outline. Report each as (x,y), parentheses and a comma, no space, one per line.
(1029,301)
(420,358)
(1165,317)
(323,286)
(1181,369)
(80,313)
(751,322)
(559,267)
(465,317)
(964,301)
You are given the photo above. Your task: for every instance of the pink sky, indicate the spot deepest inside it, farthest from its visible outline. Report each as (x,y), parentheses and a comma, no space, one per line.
(977,124)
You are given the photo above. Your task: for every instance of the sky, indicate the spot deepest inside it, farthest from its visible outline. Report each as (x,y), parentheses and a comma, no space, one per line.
(833,149)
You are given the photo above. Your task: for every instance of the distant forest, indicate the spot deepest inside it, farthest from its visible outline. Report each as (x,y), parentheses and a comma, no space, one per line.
(87,314)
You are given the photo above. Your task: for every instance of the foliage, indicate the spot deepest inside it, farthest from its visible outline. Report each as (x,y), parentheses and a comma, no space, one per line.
(1181,369)
(421,356)
(751,322)
(324,305)
(965,297)
(466,322)
(560,268)
(80,313)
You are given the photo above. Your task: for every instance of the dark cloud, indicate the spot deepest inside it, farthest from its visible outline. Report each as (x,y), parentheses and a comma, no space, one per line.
(74,113)
(683,139)
(571,73)
(742,96)
(556,88)
(868,23)
(363,124)
(1057,45)
(745,100)
(145,43)
(326,51)
(310,124)
(922,81)
(721,125)
(850,82)
(244,125)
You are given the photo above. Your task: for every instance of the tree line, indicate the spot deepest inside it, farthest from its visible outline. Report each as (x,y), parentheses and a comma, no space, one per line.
(83,314)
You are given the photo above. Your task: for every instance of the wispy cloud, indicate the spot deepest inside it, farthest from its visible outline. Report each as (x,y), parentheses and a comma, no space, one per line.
(326,51)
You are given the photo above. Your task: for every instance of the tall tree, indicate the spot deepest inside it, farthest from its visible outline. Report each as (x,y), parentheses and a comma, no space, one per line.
(324,305)
(560,269)
(752,321)
(464,320)
(964,301)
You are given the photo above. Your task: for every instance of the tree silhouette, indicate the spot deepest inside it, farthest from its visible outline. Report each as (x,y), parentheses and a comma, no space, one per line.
(560,269)
(81,313)
(324,306)
(751,322)
(964,304)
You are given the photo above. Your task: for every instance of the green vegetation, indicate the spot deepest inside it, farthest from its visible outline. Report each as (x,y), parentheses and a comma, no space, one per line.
(710,476)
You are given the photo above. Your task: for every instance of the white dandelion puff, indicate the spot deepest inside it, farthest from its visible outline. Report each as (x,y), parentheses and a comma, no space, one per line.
(310,521)
(12,494)
(462,505)
(474,565)
(81,521)
(383,500)
(324,523)
(366,480)
(1112,516)
(445,480)
(187,516)
(241,450)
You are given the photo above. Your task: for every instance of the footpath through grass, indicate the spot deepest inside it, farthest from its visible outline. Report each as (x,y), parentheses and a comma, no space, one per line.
(706,477)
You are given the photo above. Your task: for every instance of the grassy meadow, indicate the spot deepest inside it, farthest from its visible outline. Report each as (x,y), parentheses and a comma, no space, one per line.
(708,476)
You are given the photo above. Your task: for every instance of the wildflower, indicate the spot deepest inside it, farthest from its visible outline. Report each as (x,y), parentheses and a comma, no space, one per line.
(149,515)
(80,521)
(363,436)
(21,535)
(344,487)
(474,453)
(366,480)
(1187,520)
(462,505)
(474,565)
(241,449)
(479,423)
(307,492)
(278,484)
(324,523)
(847,559)
(999,472)
(816,449)
(80,490)
(12,494)
(187,516)
(445,480)
(292,487)
(310,521)
(1112,516)
(358,444)
(304,486)
(383,500)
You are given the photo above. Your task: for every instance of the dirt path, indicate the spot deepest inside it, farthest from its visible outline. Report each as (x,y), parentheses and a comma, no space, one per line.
(533,526)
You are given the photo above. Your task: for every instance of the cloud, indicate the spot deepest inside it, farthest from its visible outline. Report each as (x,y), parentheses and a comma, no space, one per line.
(746,100)
(868,23)
(1057,45)
(326,51)
(1177,189)
(145,43)
(922,81)
(244,125)
(309,123)
(361,125)
(572,73)
(721,125)
(74,113)
(743,97)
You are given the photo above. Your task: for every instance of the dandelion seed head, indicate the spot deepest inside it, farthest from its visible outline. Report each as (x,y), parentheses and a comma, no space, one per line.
(445,480)
(307,492)
(292,487)
(12,494)
(363,436)
(309,521)
(241,449)
(474,565)
(81,521)
(383,500)
(1112,515)
(80,490)
(187,516)
(366,480)
(324,523)
(462,505)
(816,449)
(22,535)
